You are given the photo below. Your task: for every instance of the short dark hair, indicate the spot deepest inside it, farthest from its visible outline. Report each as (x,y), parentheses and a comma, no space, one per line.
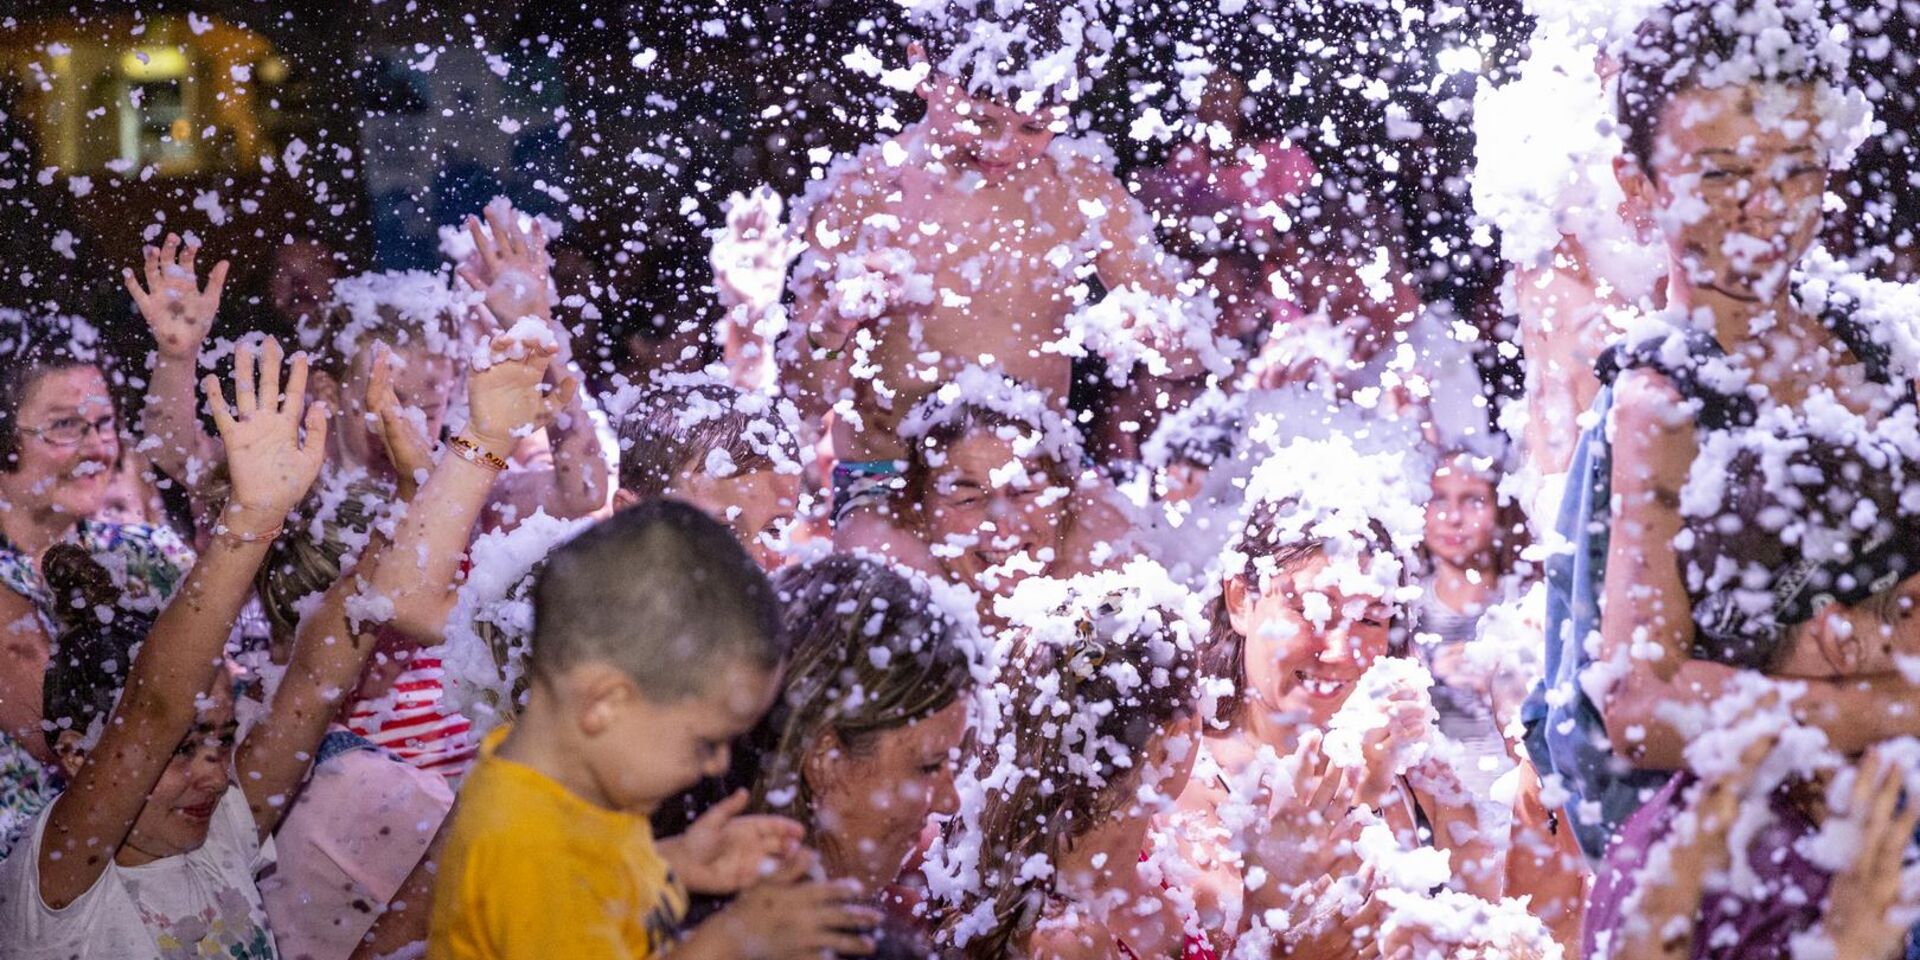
(1686,40)
(663,592)
(669,427)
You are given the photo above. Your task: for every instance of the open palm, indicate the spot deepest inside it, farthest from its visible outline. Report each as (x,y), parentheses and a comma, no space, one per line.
(178,310)
(272,465)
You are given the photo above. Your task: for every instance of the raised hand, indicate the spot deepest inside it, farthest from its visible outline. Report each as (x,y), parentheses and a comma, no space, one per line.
(272,466)
(503,391)
(724,852)
(408,448)
(509,265)
(178,310)
(751,254)
(1866,914)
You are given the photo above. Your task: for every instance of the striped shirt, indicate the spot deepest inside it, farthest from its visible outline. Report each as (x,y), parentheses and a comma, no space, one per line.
(413,722)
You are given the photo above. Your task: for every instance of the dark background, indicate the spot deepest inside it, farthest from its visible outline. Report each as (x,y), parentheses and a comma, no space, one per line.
(734,94)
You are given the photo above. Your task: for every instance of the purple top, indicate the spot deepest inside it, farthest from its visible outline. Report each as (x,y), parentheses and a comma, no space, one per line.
(1733,924)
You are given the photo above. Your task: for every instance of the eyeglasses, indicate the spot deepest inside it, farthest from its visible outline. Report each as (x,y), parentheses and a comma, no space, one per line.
(70,431)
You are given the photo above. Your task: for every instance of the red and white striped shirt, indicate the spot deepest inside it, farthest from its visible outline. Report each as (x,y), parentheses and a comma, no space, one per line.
(413,721)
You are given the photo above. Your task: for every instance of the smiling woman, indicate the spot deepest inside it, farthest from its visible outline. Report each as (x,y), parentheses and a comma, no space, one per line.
(59,445)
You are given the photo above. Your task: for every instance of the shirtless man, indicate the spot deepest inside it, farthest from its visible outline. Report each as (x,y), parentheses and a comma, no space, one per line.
(972,238)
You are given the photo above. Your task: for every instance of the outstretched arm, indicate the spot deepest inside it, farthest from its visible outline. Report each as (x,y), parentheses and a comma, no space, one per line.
(417,568)
(179,314)
(1646,625)
(272,469)
(511,267)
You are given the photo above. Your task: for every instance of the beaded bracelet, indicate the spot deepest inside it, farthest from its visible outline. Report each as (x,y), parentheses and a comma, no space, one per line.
(476,454)
(223,531)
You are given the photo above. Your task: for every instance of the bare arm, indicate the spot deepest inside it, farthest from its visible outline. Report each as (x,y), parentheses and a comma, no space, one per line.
(271,471)
(23,667)
(1646,625)
(179,314)
(417,569)
(1130,257)
(511,268)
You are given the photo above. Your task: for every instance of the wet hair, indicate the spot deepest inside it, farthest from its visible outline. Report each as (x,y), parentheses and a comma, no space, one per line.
(671,428)
(306,559)
(1260,539)
(93,653)
(1686,41)
(30,356)
(1792,531)
(660,591)
(1077,721)
(869,651)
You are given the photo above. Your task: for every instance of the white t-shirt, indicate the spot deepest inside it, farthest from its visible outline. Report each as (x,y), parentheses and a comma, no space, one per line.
(200,904)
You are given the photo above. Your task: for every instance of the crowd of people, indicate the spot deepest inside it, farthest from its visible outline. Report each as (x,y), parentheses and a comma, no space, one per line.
(863,642)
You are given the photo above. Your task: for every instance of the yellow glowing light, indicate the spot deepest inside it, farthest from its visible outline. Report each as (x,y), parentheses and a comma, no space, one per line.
(154,63)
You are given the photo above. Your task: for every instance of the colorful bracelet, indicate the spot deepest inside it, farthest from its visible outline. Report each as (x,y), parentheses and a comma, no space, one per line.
(476,454)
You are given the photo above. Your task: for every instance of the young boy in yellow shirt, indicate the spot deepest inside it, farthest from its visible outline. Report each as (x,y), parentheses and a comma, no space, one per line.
(655,644)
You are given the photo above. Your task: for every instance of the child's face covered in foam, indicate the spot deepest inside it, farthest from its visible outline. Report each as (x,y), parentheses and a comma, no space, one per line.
(1739,173)
(995,512)
(1878,636)
(757,505)
(641,751)
(1311,632)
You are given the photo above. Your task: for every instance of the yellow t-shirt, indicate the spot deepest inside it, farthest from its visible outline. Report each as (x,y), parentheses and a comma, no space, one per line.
(530,872)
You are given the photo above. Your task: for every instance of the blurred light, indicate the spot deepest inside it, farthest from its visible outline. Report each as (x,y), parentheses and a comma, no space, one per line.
(154,63)
(1459,60)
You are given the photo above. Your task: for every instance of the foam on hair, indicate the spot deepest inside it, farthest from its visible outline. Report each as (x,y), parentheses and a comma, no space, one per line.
(93,654)
(661,591)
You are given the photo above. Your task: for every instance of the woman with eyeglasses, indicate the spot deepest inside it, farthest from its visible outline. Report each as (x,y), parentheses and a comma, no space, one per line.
(59,450)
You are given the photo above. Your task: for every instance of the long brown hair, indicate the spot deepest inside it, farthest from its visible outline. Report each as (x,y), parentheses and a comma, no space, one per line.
(1079,716)
(869,651)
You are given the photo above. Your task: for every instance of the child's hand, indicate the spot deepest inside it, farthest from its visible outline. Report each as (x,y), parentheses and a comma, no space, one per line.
(272,468)
(408,449)
(750,256)
(724,852)
(504,396)
(509,265)
(787,915)
(1864,915)
(178,312)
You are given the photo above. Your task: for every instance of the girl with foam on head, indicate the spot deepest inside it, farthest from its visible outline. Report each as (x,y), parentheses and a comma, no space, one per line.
(1092,739)
(1322,754)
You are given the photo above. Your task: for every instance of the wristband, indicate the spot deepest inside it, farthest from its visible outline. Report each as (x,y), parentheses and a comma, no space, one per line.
(223,531)
(476,454)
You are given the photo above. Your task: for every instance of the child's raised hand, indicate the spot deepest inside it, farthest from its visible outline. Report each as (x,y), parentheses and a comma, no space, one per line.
(407,446)
(723,852)
(786,915)
(271,466)
(504,390)
(509,265)
(178,311)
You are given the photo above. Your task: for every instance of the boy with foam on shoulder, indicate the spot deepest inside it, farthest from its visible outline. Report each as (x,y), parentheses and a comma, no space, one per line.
(655,644)
(974,237)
